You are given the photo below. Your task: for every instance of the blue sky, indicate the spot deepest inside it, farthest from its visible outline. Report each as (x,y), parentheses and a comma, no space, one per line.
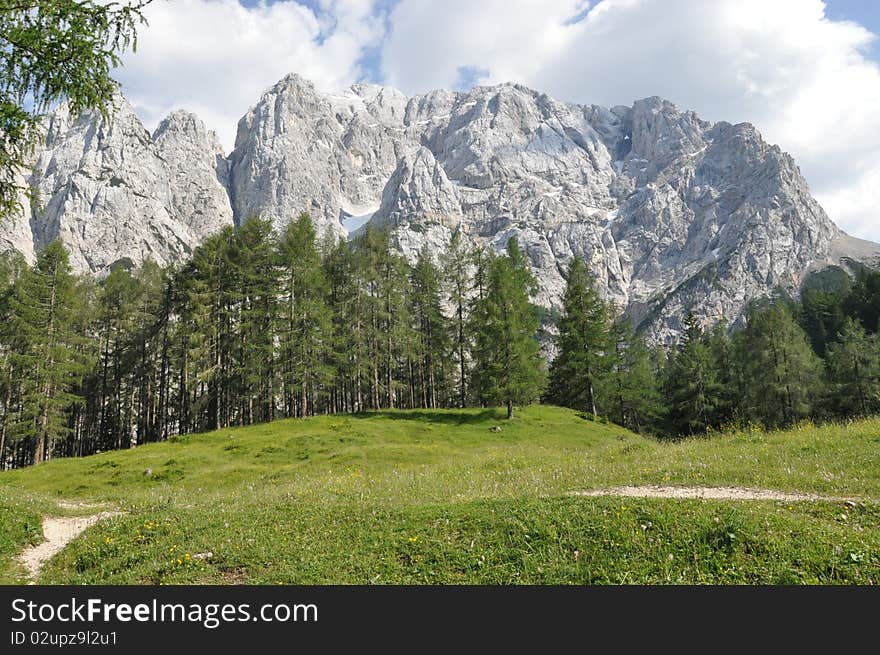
(805,72)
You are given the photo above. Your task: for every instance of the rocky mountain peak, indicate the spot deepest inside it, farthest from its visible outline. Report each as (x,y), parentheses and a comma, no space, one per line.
(671,213)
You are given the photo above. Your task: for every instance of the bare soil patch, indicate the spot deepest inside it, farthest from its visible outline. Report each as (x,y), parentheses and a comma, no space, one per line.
(709,493)
(58,532)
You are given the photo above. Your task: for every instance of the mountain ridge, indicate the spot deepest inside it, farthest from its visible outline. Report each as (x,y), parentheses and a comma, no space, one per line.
(673,214)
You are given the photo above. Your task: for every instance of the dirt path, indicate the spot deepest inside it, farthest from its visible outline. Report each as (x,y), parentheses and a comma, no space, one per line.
(710,493)
(58,532)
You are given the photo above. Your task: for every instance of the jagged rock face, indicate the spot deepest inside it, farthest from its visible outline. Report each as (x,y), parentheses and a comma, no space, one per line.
(198,173)
(15,230)
(112,194)
(671,213)
(299,150)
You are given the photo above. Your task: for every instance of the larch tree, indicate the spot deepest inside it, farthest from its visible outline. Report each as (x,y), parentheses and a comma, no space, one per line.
(52,51)
(853,366)
(306,319)
(782,374)
(631,394)
(432,335)
(43,308)
(585,344)
(508,367)
(456,263)
(691,382)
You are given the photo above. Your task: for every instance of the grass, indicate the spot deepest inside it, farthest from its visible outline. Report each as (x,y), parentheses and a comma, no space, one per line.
(441,497)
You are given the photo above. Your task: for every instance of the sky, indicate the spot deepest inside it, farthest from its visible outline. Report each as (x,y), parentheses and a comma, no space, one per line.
(805,72)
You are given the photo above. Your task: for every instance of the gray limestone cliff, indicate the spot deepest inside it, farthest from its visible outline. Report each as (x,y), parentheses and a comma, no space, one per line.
(672,214)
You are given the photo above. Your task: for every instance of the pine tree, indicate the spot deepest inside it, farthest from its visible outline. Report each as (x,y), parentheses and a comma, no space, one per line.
(508,368)
(853,366)
(585,343)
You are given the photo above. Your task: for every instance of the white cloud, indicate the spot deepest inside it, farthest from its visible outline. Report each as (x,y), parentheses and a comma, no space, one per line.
(216,57)
(802,79)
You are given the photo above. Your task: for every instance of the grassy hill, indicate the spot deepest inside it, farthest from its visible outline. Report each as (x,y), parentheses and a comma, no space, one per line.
(444,497)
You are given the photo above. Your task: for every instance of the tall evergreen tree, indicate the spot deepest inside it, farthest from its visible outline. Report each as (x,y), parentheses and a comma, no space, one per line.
(630,393)
(43,310)
(253,311)
(456,264)
(781,372)
(585,343)
(691,382)
(727,391)
(306,319)
(508,368)
(432,335)
(853,366)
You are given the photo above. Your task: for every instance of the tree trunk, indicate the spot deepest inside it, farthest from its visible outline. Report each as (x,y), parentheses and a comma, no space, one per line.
(463,390)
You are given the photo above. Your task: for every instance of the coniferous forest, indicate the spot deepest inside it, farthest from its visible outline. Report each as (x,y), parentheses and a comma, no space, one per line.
(258,326)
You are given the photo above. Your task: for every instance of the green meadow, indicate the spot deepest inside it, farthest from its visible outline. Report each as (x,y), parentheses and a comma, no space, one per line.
(456,497)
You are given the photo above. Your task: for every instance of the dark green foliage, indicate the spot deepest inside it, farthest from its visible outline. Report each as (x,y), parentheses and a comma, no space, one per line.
(691,383)
(306,321)
(781,373)
(821,317)
(863,300)
(258,325)
(46,355)
(586,345)
(853,366)
(53,50)
(430,362)
(630,392)
(456,262)
(508,368)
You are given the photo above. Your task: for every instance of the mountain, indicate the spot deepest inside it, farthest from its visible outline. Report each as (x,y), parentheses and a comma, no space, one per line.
(673,214)
(114,193)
